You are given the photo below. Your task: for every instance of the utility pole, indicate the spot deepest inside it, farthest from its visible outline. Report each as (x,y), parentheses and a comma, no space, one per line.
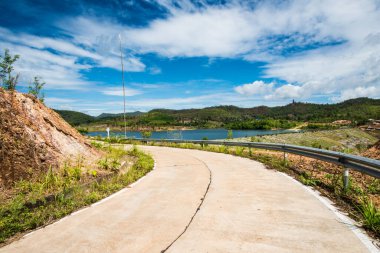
(122,77)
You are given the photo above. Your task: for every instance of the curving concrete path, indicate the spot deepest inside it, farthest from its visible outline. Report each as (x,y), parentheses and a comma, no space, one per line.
(197,201)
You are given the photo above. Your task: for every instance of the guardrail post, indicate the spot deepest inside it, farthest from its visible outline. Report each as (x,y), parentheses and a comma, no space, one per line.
(346,178)
(285,156)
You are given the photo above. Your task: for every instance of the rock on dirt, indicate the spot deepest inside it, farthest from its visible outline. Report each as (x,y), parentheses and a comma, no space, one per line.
(34,137)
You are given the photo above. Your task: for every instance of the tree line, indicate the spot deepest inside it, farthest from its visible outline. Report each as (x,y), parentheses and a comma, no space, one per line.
(9,79)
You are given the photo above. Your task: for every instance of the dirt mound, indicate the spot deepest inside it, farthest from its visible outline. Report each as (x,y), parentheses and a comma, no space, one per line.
(374,151)
(34,137)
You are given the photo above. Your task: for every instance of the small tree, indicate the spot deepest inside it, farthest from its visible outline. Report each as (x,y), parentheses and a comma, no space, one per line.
(229,134)
(36,87)
(9,81)
(146,134)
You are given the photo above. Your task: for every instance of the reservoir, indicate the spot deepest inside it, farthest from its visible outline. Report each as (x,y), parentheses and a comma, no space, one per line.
(197,134)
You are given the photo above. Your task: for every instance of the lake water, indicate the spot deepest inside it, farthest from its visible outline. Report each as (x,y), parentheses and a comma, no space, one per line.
(198,134)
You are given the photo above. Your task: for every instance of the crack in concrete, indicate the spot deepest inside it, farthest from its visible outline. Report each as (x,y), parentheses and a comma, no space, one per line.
(196,211)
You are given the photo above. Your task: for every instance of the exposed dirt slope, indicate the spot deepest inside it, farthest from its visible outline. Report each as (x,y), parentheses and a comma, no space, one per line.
(374,151)
(34,137)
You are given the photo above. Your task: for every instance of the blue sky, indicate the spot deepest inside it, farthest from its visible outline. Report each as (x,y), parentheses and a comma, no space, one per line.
(193,54)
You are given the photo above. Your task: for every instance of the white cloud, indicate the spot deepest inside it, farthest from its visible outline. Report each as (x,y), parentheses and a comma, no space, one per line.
(57,61)
(59,72)
(287,91)
(255,88)
(346,36)
(38,42)
(210,33)
(118,91)
(315,47)
(236,30)
(102,36)
(360,91)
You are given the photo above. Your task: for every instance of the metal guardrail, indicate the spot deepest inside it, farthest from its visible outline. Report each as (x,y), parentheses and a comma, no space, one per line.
(365,165)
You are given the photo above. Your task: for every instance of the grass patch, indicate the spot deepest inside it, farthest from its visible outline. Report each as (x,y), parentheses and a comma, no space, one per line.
(58,194)
(350,140)
(371,215)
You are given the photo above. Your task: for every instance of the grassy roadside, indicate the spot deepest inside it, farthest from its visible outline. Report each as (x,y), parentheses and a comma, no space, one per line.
(349,140)
(361,200)
(57,194)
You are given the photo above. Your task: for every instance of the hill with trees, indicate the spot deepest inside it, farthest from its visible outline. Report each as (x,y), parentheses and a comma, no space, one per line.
(76,118)
(357,110)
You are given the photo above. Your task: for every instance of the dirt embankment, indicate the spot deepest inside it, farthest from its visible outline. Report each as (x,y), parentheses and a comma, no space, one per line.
(34,137)
(374,151)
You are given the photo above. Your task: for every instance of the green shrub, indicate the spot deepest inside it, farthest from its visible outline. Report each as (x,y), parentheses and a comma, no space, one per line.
(97,145)
(146,134)
(371,215)
(230,134)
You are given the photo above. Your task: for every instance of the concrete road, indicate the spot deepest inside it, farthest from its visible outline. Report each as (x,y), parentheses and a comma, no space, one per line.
(198,201)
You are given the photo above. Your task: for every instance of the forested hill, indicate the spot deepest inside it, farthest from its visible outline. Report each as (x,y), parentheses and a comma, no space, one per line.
(75,118)
(358,110)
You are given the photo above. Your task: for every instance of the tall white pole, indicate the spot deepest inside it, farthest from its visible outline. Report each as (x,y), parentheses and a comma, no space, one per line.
(122,77)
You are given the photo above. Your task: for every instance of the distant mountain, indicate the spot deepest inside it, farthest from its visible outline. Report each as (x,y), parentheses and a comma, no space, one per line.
(75,118)
(115,115)
(358,110)
(78,118)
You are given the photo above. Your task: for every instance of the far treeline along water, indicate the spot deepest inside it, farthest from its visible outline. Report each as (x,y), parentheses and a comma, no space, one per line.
(198,134)
(358,111)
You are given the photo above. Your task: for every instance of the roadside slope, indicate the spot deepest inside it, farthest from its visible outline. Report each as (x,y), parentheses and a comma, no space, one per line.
(34,137)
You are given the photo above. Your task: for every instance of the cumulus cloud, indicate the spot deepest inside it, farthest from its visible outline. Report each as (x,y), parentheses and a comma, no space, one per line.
(360,91)
(316,47)
(238,30)
(255,88)
(287,91)
(209,33)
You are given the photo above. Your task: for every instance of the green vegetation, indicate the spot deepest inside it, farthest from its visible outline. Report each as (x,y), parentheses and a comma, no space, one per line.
(264,124)
(36,88)
(230,134)
(349,140)
(75,118)
(57,194)
(319,116)
(371,215)
(146,134)
(9,81)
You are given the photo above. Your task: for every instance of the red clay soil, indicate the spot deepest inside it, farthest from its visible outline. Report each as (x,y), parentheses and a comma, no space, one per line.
(34,137)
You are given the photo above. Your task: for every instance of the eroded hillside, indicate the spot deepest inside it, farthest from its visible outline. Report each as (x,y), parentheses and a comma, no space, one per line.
(34,137)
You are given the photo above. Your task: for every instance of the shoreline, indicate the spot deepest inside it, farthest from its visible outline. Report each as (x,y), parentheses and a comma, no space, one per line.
(174,128)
